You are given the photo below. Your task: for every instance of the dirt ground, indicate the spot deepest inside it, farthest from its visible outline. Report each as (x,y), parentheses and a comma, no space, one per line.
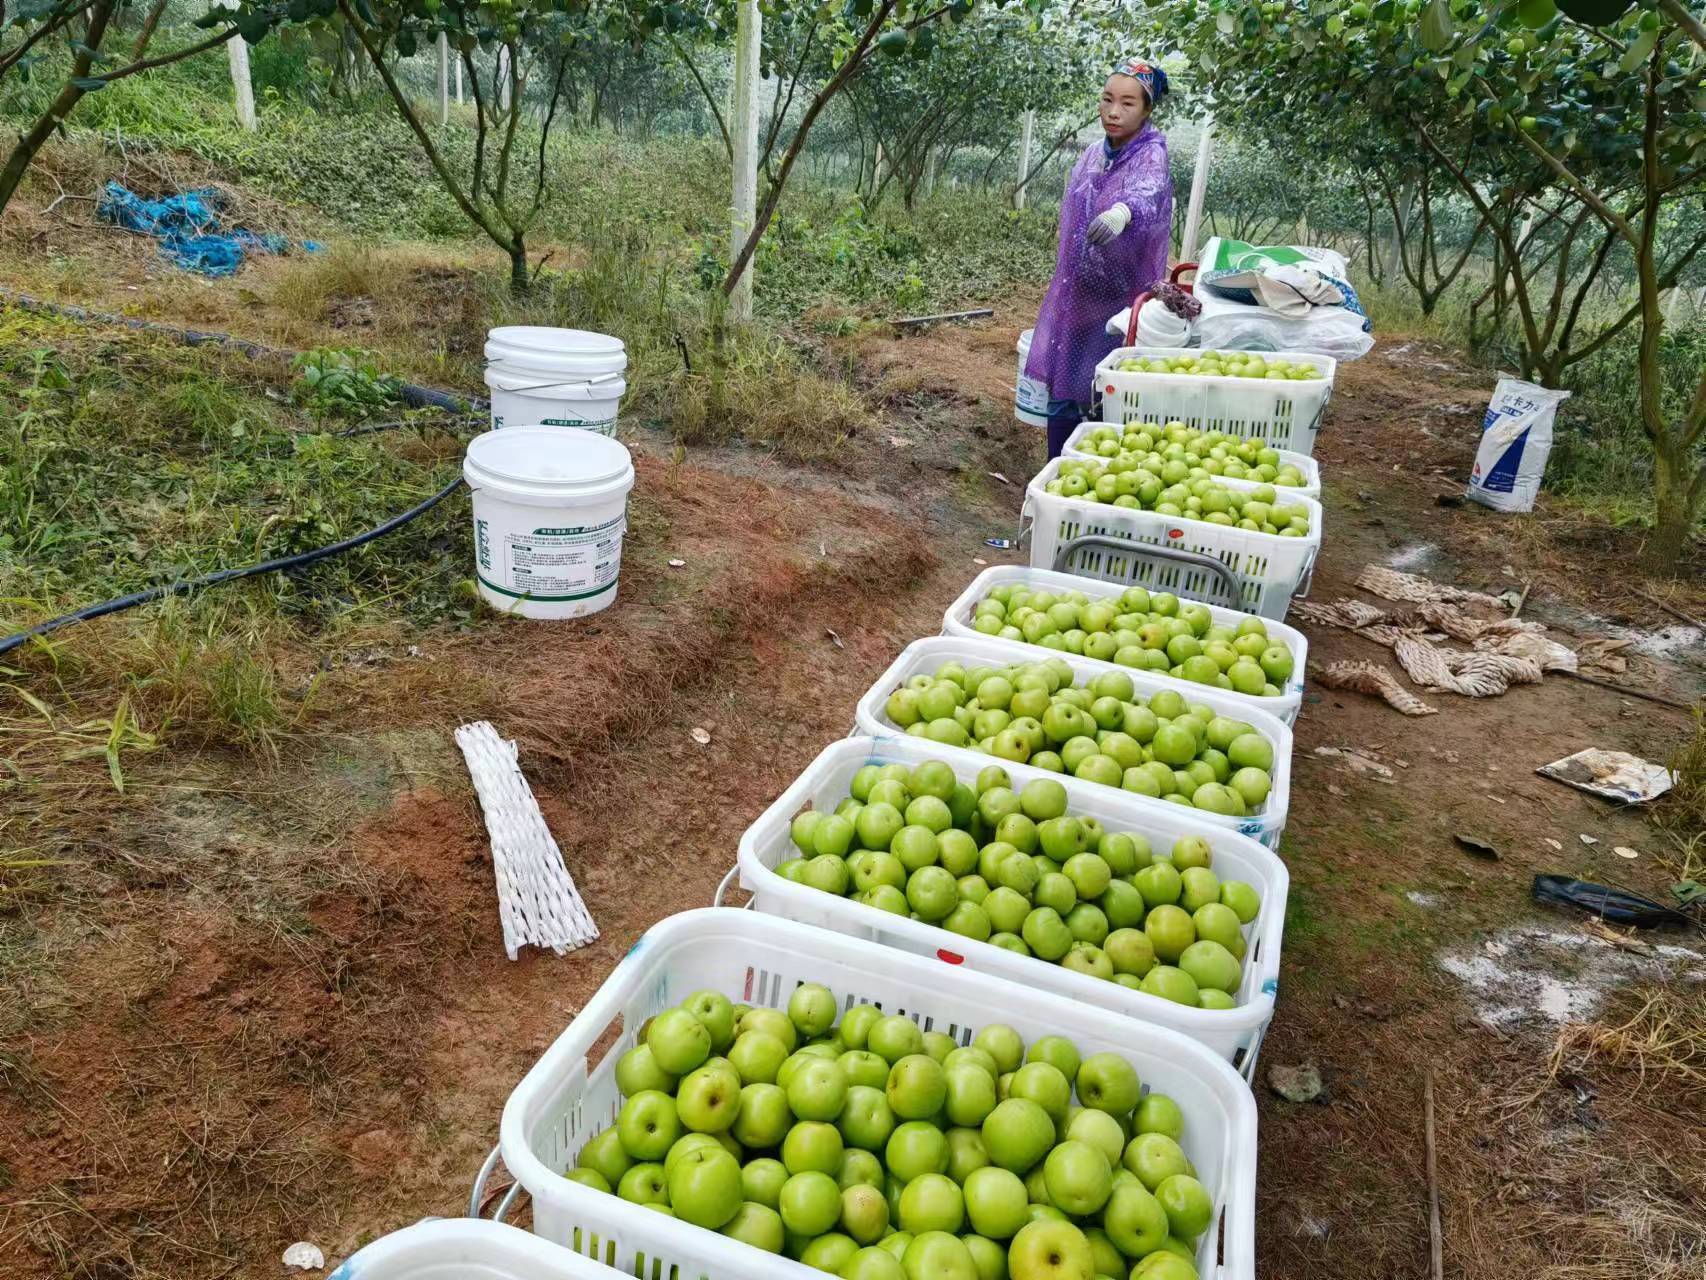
(200,1067)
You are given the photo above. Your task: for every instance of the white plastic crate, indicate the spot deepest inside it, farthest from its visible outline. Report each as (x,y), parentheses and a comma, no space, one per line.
(1270,569)
(1307,466)
(1233,1034)
(1286,414)
(468,1249)
(958,620)
(928,656)
(759,959)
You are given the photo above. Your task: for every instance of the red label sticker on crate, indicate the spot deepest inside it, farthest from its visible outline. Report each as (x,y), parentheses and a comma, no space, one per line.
(949,957)
(1175,533)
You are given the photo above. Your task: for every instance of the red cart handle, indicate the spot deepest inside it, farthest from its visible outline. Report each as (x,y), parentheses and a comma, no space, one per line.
(1146,295)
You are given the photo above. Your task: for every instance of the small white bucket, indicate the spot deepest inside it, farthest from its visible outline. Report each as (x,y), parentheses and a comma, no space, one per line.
(540,376)
(550,508)
(1030,396)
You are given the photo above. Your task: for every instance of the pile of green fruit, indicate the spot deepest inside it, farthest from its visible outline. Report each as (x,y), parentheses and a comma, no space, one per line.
(1145,631)
(1015,869)
(1194,495)
(1225,364)
(1216,453)
(874,1151)
(1102,731)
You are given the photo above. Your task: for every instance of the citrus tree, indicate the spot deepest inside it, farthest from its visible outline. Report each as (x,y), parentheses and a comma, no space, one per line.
(501,187)
(819,48)
(984,74)
(36,34)
(1577,136)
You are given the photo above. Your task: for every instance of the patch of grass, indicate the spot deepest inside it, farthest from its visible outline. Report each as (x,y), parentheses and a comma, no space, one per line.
(1682,811)
(345,269)
(1663,1041)
(131,462)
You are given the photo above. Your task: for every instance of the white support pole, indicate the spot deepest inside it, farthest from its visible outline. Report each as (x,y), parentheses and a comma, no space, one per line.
(458,81)
(931,157)
(743,208)
(1027,127)
(1199,188)
(1395,249)
(877,170)
(241,84)
(505,75)
(1527,229)
(443,78)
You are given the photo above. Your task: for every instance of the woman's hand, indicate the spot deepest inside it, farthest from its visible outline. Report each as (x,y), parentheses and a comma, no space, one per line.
(1108,225)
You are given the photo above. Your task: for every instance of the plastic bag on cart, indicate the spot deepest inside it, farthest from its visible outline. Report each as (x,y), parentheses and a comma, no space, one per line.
(1237,284)
(1327,331)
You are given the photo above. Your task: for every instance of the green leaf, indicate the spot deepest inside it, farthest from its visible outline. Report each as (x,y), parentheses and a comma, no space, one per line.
(1437,29)
(1225,23)
(1638,52)
(89,84)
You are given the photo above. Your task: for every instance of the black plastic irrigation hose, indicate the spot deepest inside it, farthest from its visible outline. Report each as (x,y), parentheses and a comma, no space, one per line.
(412,395)
(416,397)
(230,575)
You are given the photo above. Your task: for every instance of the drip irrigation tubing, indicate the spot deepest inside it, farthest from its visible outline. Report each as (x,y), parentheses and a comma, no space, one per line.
(184,585)
(416,397)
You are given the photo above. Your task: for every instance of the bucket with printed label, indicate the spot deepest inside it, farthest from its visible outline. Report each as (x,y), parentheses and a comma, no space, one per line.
(1030,395)
(540,376)
(550,508)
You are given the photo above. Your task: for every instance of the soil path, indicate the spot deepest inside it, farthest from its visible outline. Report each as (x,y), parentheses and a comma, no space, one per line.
(373,1039)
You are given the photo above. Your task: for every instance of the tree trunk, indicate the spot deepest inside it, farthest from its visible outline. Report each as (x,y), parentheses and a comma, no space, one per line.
(140,45)
(35,137)
(519,281)
(1674,515)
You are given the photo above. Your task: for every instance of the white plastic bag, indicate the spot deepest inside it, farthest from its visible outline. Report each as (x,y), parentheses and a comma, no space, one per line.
(1159,327)
(1516,439)
(1225,325)
(1233,318)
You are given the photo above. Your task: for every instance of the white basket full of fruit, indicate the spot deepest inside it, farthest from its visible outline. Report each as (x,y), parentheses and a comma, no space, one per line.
(1059,885)
(782,1101)
(1156,741)
(1279,396)
(1248,458)
(1195,643)
(1267,538)
(468,1249)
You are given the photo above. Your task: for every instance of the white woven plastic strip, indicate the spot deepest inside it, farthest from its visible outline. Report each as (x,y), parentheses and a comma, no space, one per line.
(537,899)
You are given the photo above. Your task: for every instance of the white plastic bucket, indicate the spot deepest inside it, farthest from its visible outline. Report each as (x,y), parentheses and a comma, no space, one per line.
(550,508)
(540,376)
(1030,395)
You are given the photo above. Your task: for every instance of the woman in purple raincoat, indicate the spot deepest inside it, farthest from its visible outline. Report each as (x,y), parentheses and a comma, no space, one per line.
(1115,225)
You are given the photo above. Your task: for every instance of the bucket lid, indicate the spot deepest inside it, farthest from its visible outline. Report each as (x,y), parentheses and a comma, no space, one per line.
(549,341)
(548,462)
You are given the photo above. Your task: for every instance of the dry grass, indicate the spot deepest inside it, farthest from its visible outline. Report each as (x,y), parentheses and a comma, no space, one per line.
(1682,812)
(805,417)
(1663,1042)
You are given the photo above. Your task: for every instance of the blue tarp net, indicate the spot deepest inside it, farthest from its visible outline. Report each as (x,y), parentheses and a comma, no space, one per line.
(189,230)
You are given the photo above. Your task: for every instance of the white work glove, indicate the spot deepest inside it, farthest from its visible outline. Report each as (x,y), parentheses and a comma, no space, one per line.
(1104,228)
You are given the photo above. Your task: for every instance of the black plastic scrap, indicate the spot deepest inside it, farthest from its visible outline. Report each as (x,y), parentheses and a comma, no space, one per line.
(1605,902)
